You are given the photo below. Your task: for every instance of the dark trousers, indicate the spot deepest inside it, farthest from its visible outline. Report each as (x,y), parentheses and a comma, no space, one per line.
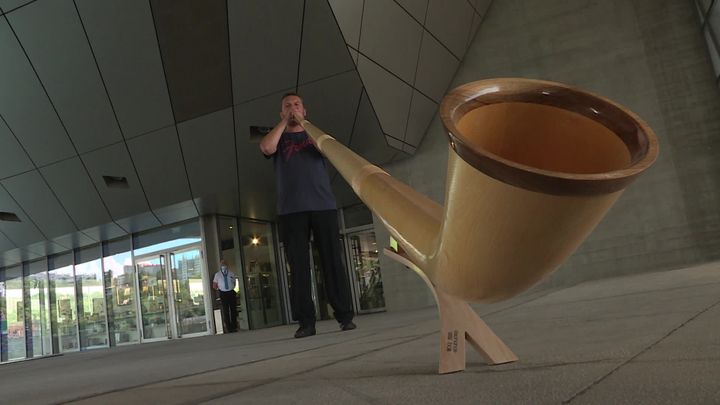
(229,310)
(295,230)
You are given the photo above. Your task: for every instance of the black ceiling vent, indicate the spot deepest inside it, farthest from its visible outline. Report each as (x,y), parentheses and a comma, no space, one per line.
(116,182)
(8,216)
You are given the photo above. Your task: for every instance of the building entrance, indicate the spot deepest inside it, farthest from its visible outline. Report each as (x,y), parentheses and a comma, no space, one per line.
(172,294)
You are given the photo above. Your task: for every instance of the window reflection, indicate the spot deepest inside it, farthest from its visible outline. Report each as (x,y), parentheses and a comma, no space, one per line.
(120,292)
(38,310)
(366,266)
(14,313)
(62,296)
(91,304)
(260,274)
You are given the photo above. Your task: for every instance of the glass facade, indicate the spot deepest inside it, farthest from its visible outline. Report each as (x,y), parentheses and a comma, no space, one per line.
(260,274)
(155,285)
(366,271)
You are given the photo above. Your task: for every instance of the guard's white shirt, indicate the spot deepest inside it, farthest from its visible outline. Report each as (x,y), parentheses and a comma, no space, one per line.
(220,280)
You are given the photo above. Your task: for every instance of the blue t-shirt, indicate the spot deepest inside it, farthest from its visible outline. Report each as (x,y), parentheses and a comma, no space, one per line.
(301,176)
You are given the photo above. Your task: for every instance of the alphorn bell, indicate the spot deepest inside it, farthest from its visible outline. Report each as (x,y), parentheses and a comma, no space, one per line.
(533,167)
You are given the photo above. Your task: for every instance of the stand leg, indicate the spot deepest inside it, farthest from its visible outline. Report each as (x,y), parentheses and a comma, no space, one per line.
(459,323)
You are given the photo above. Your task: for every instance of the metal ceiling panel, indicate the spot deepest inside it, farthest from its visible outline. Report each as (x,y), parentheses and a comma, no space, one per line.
(332,103)
(20,233)
(5,243)
(474,26)
(10,257)
(222,203)
(391,38)
(193,38)
(422,111)
(115,161)
(122,36)
(257,177)
(176,212)
(368,139)
(41,249)
(159,163)
(323,52)
(389,95)
(436,68)
(139,222)
(76,192)
(105,231)
(25,106)
(208,143)
(348,14)
(38,201)
(9,5)
(450,21)
(13,159)
(416,8)
(394,143)
(264,46)
(74,240)
(53,37)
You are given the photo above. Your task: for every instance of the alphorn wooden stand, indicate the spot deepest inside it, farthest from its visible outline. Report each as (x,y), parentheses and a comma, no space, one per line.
(459,323)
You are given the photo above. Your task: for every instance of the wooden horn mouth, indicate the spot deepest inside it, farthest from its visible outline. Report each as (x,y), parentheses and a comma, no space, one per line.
(546,136)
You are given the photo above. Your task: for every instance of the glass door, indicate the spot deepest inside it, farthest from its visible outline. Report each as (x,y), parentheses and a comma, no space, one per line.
(365,265)
(171,294)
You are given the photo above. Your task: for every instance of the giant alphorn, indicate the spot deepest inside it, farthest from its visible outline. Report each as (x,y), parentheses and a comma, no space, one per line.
(533,167)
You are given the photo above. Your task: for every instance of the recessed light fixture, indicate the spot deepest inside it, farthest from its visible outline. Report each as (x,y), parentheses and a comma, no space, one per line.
(9,217)
(116,182)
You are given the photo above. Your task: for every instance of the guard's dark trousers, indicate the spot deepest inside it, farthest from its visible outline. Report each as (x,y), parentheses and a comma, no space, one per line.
(295,230)
(229,310)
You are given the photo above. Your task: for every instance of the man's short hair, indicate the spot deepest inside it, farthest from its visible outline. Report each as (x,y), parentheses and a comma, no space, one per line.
(291,93)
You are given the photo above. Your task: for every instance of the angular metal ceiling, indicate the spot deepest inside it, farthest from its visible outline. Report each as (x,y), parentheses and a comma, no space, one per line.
(118,116)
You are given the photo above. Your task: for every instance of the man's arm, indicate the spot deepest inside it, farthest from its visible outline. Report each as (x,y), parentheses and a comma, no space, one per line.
(268,145)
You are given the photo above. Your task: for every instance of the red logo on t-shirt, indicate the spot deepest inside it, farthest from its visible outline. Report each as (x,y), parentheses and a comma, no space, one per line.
(290,148)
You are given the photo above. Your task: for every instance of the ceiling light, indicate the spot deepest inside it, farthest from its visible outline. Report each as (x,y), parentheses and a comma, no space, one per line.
(116,182)
(255,240)
(9,216)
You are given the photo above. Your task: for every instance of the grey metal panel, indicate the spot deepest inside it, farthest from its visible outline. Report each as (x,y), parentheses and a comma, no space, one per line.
(436,68)
(11,257)
(416,8)
(176,212)
(348,14)
(196,61)
(391,38)
(74,240)
(368,139)
(13,159)
(422,111)
(474,26)
(353,55)
(62,58)
(208,143)
(9,5)
(450,21)
(114,160)
(43,248)
(160,166)
(264,44)
(76,192)
(481,6)
(409,149)
(5,243)
(323,52)
(394,143)
(104,231)
(36,198)
(20,233)
(331,103)
(224,203)
(25,106)
(389,96)
(257,179)
(139,222)
(122,35)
